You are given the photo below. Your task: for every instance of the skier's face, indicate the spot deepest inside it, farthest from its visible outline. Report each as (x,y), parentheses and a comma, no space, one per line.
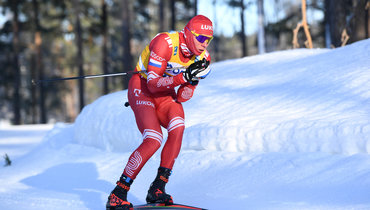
(199,42)
(200,47)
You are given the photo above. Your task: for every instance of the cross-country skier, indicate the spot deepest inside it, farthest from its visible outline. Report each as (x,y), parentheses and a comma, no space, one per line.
(155,102)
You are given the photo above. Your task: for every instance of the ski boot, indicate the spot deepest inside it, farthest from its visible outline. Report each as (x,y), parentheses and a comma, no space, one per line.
(117,200)
(156,192)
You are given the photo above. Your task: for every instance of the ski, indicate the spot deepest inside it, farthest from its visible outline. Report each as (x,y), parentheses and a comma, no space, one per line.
(163,206)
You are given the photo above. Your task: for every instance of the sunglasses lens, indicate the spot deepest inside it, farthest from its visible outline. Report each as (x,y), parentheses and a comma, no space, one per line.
(202,38)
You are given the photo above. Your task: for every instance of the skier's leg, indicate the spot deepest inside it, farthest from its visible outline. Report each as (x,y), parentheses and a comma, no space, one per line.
(152,139)
(172,117)
(148,123)
(149,126)
(175,128)
(151,142)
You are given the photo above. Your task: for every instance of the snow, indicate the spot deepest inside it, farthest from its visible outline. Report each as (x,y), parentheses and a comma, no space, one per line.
(283,130)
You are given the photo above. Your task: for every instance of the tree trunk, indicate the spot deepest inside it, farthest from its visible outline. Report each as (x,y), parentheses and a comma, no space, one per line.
(305,25)
(367,18)
(127,57)
(215,38)
(80,58)
(242,33)
(104,19)
(161,15)
(337,12)
(173,15)
(261,27)
(15,65)
(327,24)
(195,7)
(358,23)
(34,115)
(38,62)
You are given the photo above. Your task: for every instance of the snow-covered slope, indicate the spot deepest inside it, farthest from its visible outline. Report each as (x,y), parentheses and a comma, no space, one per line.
(290,101)
(284,130)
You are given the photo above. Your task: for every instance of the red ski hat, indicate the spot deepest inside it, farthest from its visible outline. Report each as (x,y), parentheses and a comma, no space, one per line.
(201,27)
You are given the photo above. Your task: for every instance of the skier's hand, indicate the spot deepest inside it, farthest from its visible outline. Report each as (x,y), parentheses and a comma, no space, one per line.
(197,70)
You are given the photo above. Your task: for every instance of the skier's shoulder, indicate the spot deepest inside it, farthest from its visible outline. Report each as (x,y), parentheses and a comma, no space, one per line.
(161,39)
(161,45)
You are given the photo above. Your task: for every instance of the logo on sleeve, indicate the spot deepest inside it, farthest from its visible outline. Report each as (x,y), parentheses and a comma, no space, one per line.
(137,92)
(187,93)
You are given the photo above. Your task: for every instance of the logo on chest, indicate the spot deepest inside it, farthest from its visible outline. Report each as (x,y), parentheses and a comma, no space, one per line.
(172,69)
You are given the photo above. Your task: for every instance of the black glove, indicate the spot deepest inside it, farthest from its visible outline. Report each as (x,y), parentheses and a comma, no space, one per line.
(197,70)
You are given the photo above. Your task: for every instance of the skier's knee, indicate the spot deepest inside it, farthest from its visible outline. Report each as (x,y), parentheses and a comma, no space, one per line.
(177,123)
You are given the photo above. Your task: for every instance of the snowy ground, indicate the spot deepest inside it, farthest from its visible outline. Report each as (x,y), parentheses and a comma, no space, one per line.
(284,130)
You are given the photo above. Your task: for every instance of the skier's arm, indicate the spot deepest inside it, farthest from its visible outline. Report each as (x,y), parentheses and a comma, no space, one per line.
(160,53)
(186,91)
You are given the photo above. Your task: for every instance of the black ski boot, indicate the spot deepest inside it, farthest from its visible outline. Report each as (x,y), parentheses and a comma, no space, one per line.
(156,192)
(117,200)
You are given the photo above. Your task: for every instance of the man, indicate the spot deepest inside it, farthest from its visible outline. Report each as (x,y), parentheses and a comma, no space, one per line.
(155,102)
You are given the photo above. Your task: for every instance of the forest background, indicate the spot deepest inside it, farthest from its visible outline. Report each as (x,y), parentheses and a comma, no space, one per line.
(41,39)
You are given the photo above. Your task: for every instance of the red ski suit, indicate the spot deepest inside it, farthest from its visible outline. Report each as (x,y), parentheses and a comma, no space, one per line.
(155,101)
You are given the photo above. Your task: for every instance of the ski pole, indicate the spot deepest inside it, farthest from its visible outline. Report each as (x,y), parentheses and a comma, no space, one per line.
(83,77)
(97,76)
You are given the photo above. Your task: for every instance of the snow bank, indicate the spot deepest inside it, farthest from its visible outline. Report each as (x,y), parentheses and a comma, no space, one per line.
(108,124)
(290,101)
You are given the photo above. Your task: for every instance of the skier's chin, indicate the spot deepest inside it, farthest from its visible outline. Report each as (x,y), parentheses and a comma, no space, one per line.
(200,51)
